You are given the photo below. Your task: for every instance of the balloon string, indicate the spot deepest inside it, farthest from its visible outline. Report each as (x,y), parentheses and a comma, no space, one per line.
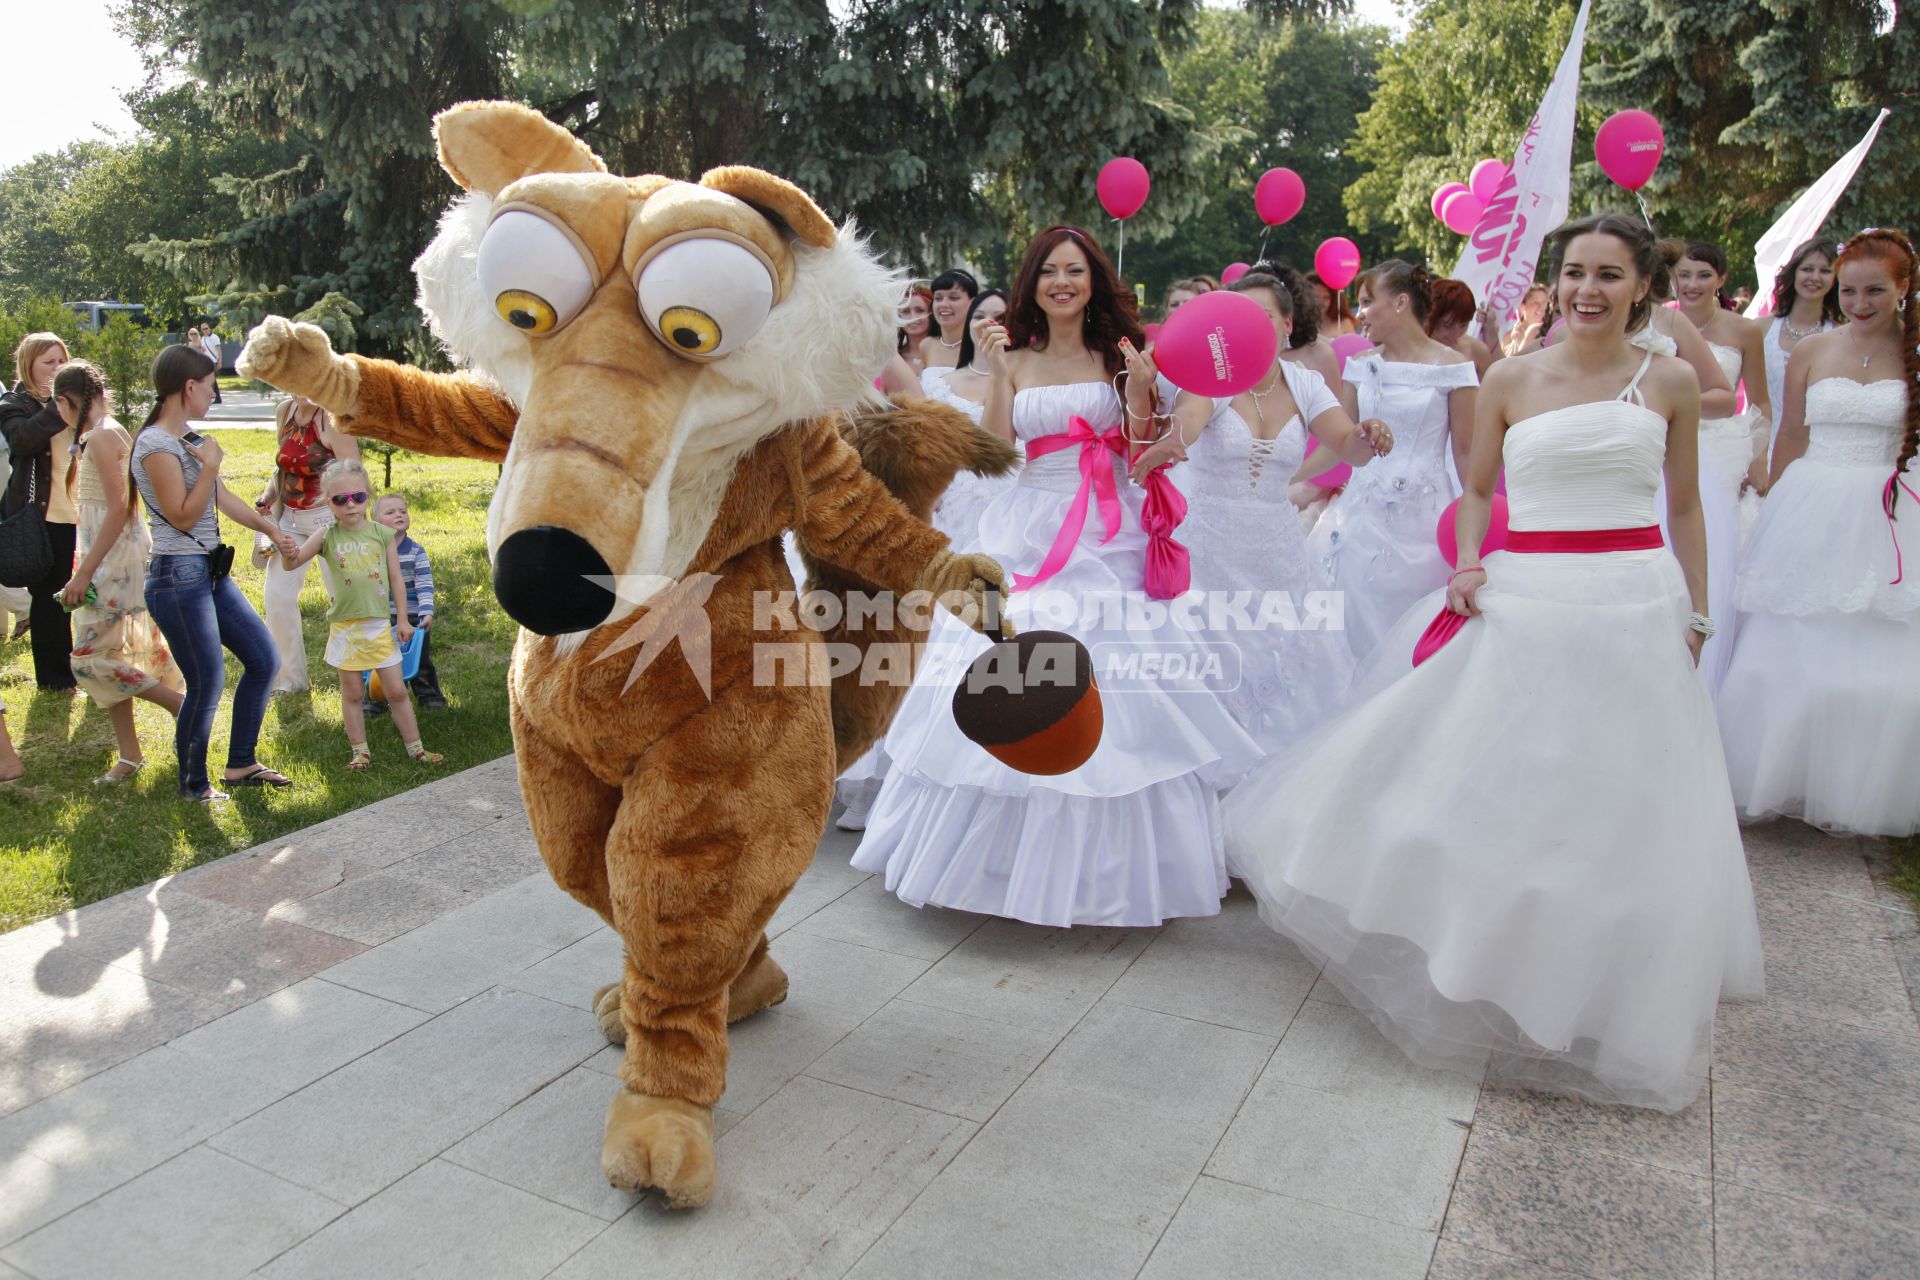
(1121,268)
(1644,215)
(1263,246)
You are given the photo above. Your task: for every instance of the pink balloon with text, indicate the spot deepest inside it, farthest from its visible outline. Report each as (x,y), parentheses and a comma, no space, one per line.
(1629,146)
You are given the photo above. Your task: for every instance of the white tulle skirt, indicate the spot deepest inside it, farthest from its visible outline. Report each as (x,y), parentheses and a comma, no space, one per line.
(1131,837)
(1376,544)
(1525,849)
(1821,706)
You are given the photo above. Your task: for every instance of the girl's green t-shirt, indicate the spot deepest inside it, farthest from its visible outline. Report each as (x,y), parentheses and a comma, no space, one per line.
(358,558)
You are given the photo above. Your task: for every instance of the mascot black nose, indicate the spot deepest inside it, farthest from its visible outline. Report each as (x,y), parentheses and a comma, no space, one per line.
(543,579)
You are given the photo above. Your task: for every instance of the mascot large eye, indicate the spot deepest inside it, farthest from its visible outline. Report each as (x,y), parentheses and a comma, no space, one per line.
(705,296)
(533,272)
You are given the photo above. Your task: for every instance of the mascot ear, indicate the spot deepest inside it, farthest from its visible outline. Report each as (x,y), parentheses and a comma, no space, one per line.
(484,146)
(777,198)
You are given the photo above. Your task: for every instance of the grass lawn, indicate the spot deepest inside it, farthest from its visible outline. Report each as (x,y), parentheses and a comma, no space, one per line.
(65,842)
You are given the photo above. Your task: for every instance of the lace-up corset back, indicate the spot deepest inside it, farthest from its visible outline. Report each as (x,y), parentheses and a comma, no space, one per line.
(1586,466)
(1856,424)
(1045,411)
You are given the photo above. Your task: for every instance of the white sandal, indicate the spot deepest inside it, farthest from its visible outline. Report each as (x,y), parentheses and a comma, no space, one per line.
(107,779)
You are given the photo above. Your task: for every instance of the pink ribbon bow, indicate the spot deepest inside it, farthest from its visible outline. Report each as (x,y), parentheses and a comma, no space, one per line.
(1169,567)
(1887,499)
(1096,479)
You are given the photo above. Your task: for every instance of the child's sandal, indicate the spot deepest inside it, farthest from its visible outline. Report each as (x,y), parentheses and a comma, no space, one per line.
(425,756)
(361,759)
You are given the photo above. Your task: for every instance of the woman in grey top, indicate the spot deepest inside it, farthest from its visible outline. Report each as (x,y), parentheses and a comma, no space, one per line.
(178,474)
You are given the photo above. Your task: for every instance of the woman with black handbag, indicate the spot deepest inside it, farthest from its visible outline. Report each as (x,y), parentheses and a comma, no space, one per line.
(39,443)
(189,593)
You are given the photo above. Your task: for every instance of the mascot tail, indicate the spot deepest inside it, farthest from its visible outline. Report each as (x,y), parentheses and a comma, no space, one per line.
(915,448)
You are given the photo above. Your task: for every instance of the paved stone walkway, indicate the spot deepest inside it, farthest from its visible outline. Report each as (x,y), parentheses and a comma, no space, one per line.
(364,1051)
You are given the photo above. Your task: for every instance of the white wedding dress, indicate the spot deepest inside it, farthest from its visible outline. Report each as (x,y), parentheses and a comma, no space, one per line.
(1376,540)
(1131,837)
(1250,558)
(1525,847)
(1821,705)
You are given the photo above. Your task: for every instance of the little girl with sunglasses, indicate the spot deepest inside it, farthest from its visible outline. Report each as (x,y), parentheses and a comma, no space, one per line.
(365,562)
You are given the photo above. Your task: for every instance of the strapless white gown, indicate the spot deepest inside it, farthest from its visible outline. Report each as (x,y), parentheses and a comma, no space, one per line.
(1250,558)
(1376,540)
(1131,837)
(1525,847)
(1821,705)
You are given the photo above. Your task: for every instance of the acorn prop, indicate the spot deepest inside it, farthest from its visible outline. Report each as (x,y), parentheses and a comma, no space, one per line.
(1031,702)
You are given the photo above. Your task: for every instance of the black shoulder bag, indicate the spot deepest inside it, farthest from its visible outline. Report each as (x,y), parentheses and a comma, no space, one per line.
(26,556)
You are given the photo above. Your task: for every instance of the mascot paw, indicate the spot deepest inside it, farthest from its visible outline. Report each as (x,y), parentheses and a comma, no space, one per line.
(606,1007)
(760,986)
(299,358)
(973,587)
(664,1143)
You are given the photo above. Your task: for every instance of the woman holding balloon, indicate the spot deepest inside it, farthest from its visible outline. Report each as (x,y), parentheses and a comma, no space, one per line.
(1132,835)
(1376,540)
(1520,855)
(1238,452)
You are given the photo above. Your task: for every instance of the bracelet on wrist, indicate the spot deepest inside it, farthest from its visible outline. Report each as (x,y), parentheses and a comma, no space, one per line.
(1702,623)
(1472,568)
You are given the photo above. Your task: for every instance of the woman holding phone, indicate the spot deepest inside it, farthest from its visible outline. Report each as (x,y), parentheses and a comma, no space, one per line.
(189,592)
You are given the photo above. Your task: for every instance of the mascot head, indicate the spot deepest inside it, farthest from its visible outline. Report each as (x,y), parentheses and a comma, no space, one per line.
(650,331)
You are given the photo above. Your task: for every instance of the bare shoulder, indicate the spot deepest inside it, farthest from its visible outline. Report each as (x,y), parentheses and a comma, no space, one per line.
(1511,374)
(1671,381)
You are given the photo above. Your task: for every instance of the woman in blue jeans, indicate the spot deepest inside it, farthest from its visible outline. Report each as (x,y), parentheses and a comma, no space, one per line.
(178,475)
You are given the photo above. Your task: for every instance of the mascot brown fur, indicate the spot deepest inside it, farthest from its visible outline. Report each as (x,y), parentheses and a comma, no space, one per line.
(661,369)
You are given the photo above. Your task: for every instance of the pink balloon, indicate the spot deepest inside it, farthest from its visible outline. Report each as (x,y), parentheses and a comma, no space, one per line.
(1219,344)
(1332,477)
(1278,196)
(1441,193)
(1629,146)
(1233,271)
(1337,260)
(1486,179)
(1462,211)
(1152,330)
(1122,186)
(1348,345)
(1450,541)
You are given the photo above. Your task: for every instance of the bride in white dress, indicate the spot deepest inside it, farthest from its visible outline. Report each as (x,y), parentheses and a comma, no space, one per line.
(1232,458)
(1133,836)
(1524,848)
(1376,540)
(1733,449)
(1821,707)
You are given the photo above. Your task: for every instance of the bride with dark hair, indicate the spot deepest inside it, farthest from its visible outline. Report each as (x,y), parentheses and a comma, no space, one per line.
(1132,836)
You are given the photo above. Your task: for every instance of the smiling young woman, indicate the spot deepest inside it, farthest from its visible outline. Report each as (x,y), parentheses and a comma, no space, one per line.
(1820,708)
(1518,852)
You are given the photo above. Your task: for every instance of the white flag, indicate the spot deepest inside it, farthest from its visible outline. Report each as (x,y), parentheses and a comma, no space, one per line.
(1503,252)
(1802,221)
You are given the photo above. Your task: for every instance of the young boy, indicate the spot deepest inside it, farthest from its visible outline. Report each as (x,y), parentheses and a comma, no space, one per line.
(366,576)
(391,511)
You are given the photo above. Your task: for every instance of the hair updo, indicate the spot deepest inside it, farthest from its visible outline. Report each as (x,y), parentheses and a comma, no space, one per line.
(1401,278)
(1642,249)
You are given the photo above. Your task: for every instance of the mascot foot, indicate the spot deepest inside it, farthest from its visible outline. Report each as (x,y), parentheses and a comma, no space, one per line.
(606,1007)
(663,1143)
(759,986)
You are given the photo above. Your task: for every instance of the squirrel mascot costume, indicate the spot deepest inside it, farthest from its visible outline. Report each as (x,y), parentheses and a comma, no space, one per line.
(663,370)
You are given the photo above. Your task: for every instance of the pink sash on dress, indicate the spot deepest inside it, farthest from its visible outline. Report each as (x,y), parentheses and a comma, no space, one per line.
(1169,571)
(1540,542)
